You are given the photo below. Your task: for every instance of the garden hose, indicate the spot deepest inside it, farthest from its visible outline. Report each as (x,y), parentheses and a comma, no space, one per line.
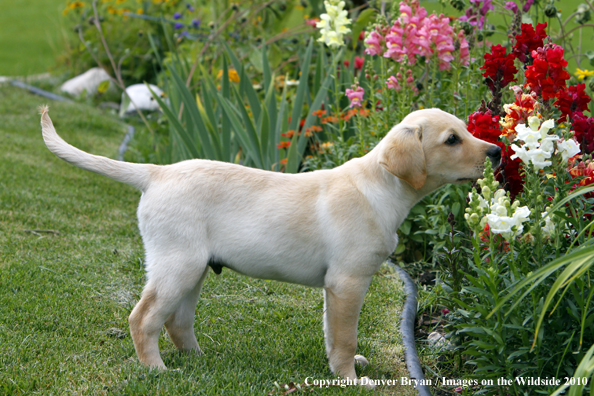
(407,327)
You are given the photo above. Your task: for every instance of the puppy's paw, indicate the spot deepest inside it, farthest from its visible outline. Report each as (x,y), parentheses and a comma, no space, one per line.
(365,381)
(361,360)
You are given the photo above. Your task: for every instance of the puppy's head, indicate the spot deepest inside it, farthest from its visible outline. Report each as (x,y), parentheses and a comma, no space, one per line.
(432,146)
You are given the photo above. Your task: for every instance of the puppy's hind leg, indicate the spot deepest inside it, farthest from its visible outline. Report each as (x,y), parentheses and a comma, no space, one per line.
(171,280)
(180,325)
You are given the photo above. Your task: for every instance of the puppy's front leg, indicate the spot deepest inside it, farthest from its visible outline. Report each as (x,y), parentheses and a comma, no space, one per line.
(343,298)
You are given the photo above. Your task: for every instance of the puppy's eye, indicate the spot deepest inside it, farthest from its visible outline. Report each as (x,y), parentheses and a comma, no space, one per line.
(452,140)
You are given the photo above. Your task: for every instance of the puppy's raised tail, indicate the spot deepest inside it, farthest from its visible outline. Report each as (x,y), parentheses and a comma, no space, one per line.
(136,175)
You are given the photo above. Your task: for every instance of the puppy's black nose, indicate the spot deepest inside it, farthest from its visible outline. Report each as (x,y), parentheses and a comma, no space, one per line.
(494,154)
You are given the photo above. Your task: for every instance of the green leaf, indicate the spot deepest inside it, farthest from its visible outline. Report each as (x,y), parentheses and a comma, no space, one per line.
(103,87)
(362,21)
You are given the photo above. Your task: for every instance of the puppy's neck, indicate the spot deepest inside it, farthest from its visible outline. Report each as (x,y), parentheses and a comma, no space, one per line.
(388,195)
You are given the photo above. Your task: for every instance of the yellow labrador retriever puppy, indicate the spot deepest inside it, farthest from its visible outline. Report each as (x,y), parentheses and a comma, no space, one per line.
(328,228)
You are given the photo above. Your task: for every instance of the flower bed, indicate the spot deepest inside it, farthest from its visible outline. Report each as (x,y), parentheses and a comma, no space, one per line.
(298,86)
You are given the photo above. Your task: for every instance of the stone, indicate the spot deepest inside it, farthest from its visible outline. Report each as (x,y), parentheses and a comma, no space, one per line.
(87,82)
(142,97)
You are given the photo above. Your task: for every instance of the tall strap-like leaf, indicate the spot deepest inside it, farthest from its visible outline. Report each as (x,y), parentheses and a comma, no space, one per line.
(302,88)
(245,84)
(208,141)
(294,156)
(178,127)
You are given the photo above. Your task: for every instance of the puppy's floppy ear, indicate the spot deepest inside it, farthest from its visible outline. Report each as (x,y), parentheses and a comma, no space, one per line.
(402,154)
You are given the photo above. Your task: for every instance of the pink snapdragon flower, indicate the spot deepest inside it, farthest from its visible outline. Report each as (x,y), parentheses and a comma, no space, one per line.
(409,78)
(437,30)
(416,34)
(355,96)
(464,50)
(512,6)
(475,15)
(392,83)
(374,43)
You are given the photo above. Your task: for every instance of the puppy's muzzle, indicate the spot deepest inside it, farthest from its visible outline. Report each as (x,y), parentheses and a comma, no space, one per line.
(494,154)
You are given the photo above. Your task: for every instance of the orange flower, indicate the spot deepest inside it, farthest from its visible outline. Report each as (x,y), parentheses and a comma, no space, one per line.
(317,128)
(325,147)
(283,161)
(328,119)
(363,112)
(289,134)
(518,112)
(319,113)
(283,145)
(349,114)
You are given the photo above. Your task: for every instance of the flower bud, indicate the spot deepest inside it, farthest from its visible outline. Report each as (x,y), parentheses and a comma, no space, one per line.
(457,4)
(486,192)
(550,11)
(528,238)
(467,27)
(534,123)
(583,14)
(515,205)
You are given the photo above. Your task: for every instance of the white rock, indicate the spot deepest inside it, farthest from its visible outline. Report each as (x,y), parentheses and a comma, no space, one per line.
(88,81)
(437,339)
(142,97)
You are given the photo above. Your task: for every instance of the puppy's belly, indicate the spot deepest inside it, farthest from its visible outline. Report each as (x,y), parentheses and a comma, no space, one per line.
(295,266)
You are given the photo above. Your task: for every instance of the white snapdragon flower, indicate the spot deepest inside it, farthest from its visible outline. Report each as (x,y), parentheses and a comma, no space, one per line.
(498,203)
(538,145)
(500,224)
(568,148)
(509,227)
(333,24)
(547,143)
(539,158)
(549,228)
(520,216)
(521,153)
(530,137)
(546,126)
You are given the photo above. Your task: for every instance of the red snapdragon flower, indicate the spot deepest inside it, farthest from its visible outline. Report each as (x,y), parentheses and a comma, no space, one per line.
(572,99)
(485,126)
(508,173)
(547,74)
(583,128)
(529,40)
(499,68)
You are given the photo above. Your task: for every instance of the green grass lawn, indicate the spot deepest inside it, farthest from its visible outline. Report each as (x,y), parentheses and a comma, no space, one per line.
(30,36)
(71,271)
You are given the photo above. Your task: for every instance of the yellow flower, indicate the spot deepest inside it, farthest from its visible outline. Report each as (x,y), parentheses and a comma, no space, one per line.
(140,11)
(582,74)
(72,6)
(120,1)
(233,76)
